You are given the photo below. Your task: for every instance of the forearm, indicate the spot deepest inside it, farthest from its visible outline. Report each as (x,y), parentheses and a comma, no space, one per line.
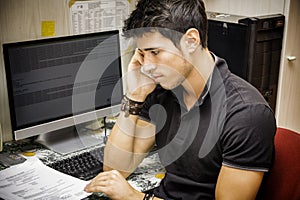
(129,142)
(131,138)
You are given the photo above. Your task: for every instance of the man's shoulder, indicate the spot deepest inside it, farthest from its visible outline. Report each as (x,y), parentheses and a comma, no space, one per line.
(246,107)
(239,92)
(235,92)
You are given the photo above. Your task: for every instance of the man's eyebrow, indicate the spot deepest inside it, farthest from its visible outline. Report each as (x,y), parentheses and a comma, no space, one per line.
(149,49)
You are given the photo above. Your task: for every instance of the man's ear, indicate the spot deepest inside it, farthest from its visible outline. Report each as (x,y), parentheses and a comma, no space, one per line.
(192,39)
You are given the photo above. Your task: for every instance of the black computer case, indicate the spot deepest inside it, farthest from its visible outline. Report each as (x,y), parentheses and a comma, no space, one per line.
(251,46)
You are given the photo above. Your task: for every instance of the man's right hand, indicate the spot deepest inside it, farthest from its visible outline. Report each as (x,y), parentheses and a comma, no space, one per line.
(139,85)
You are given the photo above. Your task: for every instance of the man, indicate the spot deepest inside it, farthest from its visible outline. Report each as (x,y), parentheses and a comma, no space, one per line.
(214,131)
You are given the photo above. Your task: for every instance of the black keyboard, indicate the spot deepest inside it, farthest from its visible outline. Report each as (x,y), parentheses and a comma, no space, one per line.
(84,166)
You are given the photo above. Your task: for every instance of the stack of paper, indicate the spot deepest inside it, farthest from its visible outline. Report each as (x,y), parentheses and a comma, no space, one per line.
(35,181)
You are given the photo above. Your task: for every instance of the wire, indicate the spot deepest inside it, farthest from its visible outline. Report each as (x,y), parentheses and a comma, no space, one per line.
(105,130)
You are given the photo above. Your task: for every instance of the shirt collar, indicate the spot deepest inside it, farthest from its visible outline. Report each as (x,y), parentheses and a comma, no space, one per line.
(205,91)
(207,85)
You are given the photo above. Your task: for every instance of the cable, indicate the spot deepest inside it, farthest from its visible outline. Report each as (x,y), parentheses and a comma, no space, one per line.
(105,130)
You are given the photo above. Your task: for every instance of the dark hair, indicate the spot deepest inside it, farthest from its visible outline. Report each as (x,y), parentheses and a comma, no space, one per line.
(166,15)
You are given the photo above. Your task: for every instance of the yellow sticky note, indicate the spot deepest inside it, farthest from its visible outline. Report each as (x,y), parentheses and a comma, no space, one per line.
(48,28)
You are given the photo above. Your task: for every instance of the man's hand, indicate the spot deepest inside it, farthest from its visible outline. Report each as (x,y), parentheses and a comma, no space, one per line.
(138,84)
(113,184)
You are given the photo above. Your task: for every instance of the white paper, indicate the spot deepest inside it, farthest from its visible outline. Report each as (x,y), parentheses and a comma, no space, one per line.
(32,180)
(98,15)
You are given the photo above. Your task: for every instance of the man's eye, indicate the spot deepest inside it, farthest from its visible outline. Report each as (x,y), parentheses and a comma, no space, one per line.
(155,52)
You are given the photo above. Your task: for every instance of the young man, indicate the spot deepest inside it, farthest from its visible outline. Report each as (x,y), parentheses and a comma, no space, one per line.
(214,131)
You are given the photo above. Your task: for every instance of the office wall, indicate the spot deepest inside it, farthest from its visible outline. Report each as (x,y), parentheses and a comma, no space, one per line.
(246,8)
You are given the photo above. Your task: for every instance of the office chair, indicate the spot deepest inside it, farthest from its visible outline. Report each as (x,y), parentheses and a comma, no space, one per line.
(283,180)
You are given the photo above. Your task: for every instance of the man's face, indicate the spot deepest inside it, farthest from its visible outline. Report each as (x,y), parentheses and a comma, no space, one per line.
(163,60)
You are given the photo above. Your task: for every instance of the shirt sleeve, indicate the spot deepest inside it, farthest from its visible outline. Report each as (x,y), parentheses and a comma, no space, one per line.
(248,139)
(144,115)
(152,99)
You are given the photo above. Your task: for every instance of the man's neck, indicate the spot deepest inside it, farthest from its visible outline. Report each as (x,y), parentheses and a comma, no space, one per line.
(197,79)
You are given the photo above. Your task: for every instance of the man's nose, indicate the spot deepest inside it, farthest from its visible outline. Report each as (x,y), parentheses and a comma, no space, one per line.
(148,68)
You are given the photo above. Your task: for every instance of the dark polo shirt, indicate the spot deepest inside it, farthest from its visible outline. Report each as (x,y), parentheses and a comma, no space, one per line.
(231,125)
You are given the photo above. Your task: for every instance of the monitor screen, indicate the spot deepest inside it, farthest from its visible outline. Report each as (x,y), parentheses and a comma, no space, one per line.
(60,82)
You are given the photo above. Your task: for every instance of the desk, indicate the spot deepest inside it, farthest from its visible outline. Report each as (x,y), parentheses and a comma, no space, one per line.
(142,179)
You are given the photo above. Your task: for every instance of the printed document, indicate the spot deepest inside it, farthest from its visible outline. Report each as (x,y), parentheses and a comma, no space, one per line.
(33,180)
(98,15)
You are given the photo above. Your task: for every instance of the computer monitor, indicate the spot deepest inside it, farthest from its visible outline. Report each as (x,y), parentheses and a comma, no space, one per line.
(56,84)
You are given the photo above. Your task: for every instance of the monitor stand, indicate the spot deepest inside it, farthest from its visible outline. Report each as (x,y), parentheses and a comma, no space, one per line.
(68,140)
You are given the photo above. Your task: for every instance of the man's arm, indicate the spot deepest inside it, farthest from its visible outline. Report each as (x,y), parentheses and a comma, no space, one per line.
(131,137)
(129,142)
(238,184)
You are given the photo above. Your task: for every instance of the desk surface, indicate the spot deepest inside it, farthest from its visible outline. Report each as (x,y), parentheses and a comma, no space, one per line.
(144,177)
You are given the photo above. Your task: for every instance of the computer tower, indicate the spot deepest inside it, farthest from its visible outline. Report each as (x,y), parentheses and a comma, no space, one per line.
(251,46)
